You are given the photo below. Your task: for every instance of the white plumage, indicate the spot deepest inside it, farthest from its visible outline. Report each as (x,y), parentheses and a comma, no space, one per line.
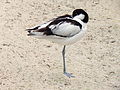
(65,30)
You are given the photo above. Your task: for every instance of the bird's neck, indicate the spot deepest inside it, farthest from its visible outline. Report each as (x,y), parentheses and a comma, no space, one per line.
(77,19)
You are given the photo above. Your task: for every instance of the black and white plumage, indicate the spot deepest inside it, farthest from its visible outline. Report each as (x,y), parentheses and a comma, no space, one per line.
(65,30)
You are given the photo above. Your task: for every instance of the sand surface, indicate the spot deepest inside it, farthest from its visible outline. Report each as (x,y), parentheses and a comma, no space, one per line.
(27,63)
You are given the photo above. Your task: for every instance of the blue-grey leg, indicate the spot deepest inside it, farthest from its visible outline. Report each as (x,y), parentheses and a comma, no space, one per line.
(64,64)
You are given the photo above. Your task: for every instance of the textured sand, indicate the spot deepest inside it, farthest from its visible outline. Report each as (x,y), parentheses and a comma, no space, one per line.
(28,63)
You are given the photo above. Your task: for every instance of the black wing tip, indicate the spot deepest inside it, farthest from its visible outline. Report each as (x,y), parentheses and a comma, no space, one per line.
(28,30)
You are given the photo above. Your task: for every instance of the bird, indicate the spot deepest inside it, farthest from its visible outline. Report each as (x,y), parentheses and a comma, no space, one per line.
(64,30)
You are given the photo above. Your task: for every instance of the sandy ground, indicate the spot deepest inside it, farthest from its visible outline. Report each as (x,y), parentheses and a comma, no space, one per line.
(28,63)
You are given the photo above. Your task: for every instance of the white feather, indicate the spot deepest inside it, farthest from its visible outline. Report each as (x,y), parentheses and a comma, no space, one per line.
(69,40)
(72,32)
(66,29)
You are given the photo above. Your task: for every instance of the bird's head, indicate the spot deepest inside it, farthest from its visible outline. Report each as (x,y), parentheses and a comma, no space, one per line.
(80,14)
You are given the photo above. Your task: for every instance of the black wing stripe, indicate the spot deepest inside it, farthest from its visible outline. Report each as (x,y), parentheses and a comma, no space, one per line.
(47,31)
(65,20)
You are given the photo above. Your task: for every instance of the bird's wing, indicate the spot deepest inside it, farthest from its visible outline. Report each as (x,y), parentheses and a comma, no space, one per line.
(65,27)
(48,22)
(59,27)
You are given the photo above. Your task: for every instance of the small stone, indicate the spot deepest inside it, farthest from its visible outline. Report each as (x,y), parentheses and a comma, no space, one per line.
(113,41)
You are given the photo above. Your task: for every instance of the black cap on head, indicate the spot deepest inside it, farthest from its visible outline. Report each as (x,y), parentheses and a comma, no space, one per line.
(81,11)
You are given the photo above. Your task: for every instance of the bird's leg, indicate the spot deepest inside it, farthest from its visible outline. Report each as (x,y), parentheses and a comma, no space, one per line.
(64,65)
(63,53)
